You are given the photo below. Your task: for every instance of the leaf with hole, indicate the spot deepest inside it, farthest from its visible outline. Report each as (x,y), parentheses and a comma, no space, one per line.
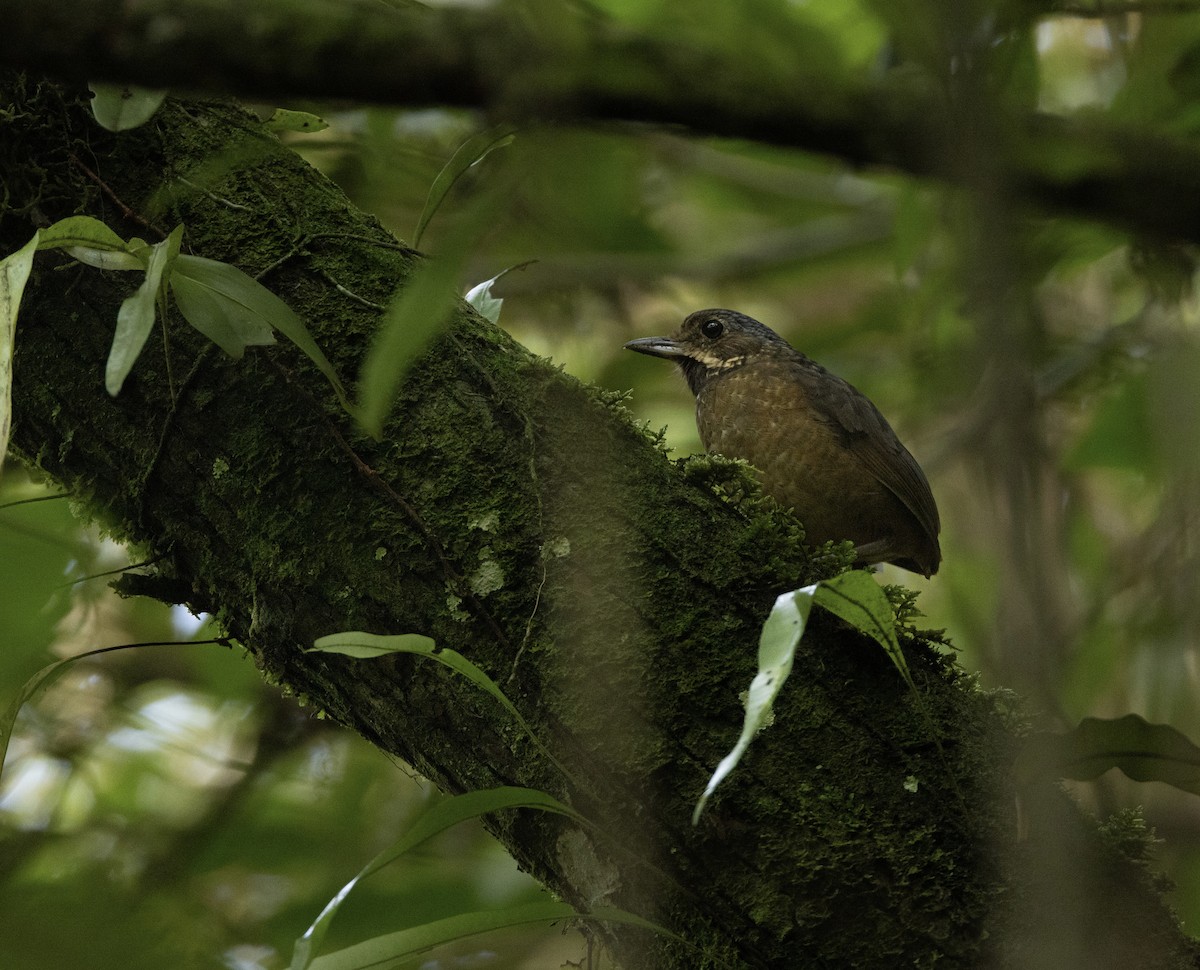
(285,119)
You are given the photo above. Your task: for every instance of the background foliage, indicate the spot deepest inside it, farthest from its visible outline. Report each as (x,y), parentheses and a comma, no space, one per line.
(173,810)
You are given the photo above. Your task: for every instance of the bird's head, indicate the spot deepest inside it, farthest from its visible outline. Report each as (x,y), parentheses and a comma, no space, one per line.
(712,341)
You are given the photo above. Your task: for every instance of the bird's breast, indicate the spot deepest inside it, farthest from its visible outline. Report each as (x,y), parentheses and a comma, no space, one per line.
(771,420)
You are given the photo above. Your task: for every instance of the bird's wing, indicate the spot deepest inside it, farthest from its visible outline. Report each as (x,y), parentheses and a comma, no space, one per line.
(867,433)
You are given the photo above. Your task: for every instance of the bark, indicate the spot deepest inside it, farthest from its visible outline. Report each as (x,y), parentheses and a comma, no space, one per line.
(521,518)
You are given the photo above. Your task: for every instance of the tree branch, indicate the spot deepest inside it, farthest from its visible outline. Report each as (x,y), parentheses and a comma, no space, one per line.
(577,67)
(635,588)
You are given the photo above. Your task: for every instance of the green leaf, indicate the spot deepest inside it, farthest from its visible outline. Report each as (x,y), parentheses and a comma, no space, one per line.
(136,316)
(777,644)
(40,679)
(413,319)
(28,690)
(241,312)
(284,119)
(92,242)
(366,645)
(1143,751)
(120,108)
(443,815)
(14,274)
(420,939)
(471,152)
(855,597)
(231,309)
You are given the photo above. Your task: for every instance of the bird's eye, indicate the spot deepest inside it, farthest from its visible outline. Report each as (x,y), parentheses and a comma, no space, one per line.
(712,329)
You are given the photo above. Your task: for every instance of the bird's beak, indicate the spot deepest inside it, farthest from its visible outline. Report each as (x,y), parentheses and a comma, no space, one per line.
(657,347)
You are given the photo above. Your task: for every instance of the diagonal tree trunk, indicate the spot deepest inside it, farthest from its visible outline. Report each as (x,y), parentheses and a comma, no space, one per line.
(520,518)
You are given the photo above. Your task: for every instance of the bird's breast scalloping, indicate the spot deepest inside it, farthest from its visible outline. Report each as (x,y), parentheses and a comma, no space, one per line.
(803,461)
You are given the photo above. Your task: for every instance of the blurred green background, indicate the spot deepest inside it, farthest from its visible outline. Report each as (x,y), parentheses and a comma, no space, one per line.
(171,810)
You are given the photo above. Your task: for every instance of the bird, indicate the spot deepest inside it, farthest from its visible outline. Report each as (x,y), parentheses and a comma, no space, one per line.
(821,448)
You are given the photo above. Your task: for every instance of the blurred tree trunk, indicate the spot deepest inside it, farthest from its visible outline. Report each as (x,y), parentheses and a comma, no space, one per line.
(520,518)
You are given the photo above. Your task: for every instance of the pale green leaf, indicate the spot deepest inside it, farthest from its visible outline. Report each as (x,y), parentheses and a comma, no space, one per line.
(119,108)
(480,296)
(406,944)
(471,152)
(285,119)
(105,258)
(14,274)
(777,644)
(136,316)
(443,815)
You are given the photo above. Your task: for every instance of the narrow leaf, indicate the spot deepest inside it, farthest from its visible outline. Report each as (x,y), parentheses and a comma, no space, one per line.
(136,316)
(28,690)
(366,645)
(446,813)
(14,274)
(471,152)
(105,258)
(120,108)
(1143,751)
(383,950)
(777,644)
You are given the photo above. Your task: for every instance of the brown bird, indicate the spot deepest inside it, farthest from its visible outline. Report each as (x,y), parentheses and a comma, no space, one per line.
(820,446)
